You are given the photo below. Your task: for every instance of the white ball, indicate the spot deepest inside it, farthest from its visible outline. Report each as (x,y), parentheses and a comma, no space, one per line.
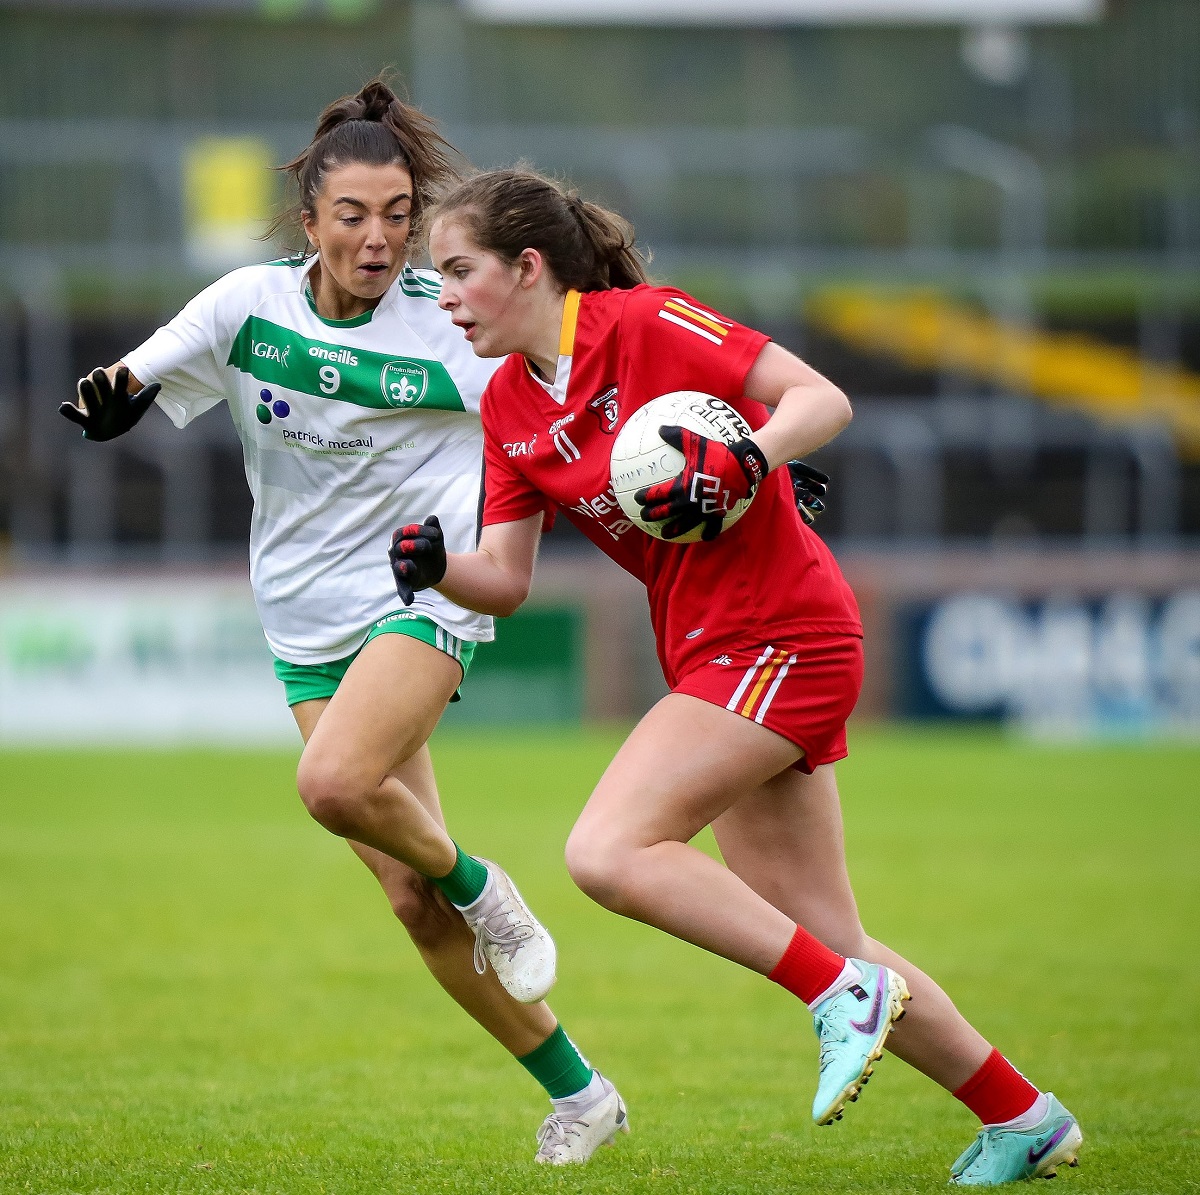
(641,458)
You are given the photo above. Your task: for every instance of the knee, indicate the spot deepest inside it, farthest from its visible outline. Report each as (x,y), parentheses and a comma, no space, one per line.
(429,919)
(332,792)
(600,868)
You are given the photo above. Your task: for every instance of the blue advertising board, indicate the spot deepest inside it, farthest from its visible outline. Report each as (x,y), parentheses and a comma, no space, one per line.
(1121,663)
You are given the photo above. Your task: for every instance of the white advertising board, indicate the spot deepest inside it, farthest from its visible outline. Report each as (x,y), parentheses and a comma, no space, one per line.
(795,12)
(155,660)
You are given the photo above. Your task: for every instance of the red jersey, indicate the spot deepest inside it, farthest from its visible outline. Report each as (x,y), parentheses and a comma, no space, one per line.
(766,578)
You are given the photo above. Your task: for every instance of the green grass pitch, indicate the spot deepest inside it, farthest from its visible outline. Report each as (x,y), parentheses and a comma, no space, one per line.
(202,991)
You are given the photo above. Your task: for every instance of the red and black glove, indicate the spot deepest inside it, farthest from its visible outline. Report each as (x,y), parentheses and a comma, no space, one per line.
(714,478)
(418,556)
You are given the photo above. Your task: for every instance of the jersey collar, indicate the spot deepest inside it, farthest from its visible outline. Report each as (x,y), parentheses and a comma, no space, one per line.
(566,351)
(305,288)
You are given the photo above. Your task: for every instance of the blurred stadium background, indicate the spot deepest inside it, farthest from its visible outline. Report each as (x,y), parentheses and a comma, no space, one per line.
(980,217)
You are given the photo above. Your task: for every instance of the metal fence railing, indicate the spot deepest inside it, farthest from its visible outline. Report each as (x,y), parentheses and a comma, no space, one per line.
(60,496)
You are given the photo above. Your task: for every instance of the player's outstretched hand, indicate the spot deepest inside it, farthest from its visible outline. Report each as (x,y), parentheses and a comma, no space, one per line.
(809,486)
(418,556)
(714,478)
(105,411)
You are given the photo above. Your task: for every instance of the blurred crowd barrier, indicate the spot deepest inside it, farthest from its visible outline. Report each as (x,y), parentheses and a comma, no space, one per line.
(1077,644)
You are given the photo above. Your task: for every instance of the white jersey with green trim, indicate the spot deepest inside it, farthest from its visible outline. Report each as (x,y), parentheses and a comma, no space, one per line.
(349,429)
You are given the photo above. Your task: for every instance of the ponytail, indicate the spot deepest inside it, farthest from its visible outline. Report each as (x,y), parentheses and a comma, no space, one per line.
(377,128)
(585,246)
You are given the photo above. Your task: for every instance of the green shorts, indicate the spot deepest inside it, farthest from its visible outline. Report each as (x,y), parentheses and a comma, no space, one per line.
(312,682)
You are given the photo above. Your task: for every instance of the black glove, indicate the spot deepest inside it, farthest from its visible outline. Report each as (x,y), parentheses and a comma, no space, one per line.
(418,556)
(809,486)
(714,478)
(105,412)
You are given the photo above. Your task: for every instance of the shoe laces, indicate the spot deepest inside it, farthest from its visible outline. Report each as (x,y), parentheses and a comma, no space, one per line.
(499,928)
(975,1152)
(553,1132)
(830,1031)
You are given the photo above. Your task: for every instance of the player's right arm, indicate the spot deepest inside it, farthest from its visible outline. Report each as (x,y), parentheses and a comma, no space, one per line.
(187,356)
(494,579)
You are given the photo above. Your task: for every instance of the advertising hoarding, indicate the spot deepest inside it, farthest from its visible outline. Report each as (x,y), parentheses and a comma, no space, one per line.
(157,660)
(1108,666)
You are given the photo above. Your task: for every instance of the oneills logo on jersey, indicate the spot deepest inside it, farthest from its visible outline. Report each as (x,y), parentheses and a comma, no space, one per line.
(562,441)
(337,356)
(695,319)
(271,352)
(604,406)
(404,383)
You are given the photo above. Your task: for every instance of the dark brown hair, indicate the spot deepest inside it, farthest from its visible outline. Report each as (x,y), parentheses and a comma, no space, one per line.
(377,128)
(586,246)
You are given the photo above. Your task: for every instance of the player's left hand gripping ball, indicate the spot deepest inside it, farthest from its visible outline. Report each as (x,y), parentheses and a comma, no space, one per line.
(418,556)
(105,411)
(714,478)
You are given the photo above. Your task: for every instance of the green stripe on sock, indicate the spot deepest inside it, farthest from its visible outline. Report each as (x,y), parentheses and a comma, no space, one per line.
(466,880)
(558,1066)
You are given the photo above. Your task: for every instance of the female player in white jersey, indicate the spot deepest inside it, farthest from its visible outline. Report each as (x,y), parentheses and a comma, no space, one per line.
(356,401)
(757,632)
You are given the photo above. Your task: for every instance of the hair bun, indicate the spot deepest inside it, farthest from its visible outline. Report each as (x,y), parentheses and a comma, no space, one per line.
(376,100)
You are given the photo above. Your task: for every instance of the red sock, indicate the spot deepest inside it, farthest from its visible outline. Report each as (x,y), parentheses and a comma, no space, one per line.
(807,967)
(997,1091)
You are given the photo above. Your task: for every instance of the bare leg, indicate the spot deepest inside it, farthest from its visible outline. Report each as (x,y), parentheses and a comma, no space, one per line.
(682,766)
(384,710)
(785,841)
(438,931)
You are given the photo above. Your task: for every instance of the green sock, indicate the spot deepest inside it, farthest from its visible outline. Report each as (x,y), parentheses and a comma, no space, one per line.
(465,881)
(558,1066)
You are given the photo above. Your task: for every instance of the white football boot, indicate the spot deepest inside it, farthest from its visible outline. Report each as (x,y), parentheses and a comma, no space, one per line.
(567,1139)
(511,938)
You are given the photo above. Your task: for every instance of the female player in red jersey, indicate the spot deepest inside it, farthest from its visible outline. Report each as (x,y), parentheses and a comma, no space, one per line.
(757,632)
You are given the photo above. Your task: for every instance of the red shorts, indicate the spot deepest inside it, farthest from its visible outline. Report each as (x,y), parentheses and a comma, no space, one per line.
(803,690)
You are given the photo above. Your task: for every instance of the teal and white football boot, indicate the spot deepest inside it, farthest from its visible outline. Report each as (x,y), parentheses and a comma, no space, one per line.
(852,1027)
(999,1155)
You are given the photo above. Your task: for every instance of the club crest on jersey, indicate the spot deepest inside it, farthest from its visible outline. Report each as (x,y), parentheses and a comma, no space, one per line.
(271,352)
(404,383)
(605,407)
